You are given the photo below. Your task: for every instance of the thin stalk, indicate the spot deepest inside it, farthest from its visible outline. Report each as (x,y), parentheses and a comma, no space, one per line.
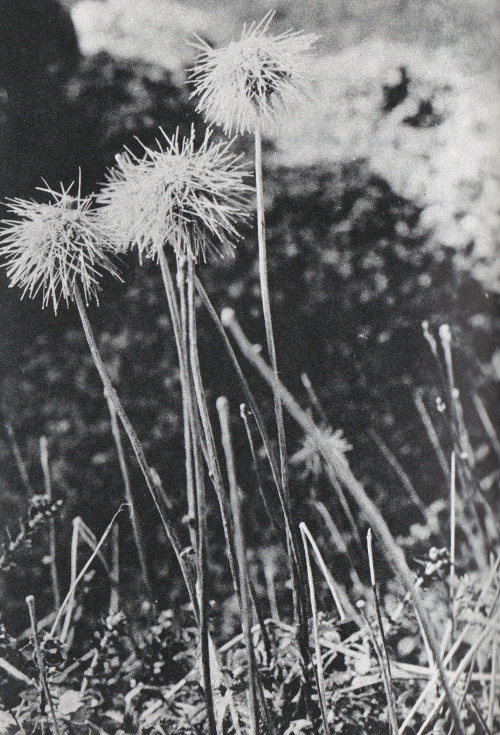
(268,323)
(30,601)
(202,583)
(320,678)
(179,327)
(431,431)
(187,401)
(18,457)
(393,461)
(345,505)
(266,304)
(338,541)
(246,616)
(211,454)
(72,586)
(492,692)
(314,398)
(341,467)
(326,572)
(256,412)
(255,465)
(44,458)
(386,669)
(114,599)
(454,396)
(487,423)
(69,599)
(296,562)
(453,518)
(134,520)
(157,496)
(427,691)
(269,568)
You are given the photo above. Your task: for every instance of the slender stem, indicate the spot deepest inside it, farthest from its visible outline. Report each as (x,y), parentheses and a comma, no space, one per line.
(20,463)
(453,517)
(341,467)
(266,303)
(306,534)
(340,544)
(393,461)
(487,423)
(293,546)
(257,415)
(134,520)
(255,465)
(431,431)
(202,583)
(70,596)
(386,670)
(75,537)
(179,327)
(246,621)
(44,458)
(157,496)
(320,678)
(211,454)
(188,400)
(114,599)
(491,702)
(30,601)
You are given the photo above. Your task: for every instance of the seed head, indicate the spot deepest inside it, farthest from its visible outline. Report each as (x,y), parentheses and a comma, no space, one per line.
(191,199)
(54,247)
(253,80)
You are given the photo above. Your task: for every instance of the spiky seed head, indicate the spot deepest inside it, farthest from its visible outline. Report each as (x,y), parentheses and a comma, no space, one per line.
(54,247)
(253,80)
(189,198)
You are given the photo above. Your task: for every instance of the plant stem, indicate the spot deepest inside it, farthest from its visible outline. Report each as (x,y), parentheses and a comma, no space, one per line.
(44,458)
(255,465)
(341,467)
(18,457)
(386,670)
(30,601)
(246,621)
(211,454)
(293,546)
(179,327)
(453,518)
(266,304)
(320,678)
(202,583)
(158,497)
(114,599)
(134,520)
(188,401)
(257,415)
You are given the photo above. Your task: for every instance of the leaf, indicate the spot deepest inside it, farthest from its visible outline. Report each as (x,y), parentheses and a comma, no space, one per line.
(69,702)
(8,725)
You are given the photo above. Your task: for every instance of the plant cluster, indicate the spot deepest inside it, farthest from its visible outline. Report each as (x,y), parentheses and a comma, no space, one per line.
(323,673)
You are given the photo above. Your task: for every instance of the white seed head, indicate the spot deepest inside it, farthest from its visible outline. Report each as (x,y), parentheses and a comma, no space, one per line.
(252,81)
(54,247)
(191,199)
